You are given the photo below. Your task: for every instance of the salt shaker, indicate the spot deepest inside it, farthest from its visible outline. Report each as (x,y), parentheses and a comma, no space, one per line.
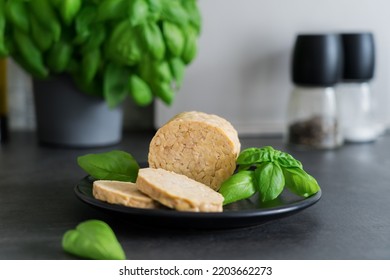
(312,114)
(354,92)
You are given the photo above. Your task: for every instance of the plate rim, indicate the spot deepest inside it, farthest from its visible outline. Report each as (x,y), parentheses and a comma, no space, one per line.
(231,214)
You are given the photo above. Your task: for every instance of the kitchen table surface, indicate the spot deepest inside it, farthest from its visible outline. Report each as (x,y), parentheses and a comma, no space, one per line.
(351,220)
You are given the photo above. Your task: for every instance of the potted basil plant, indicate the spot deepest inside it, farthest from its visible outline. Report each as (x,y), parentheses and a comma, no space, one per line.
(97,52)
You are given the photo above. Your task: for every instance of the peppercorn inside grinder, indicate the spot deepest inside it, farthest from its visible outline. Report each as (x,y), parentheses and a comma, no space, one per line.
(312,113)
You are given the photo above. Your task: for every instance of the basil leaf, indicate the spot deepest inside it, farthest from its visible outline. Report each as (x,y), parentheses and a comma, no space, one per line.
(300,182)
(174,11)
(138,11)
(93,239)
(255,155)
(114,165)
(287,160)
(270,180)
(115,84)
(237,187)
(174,38)
(153,40)
(177,68)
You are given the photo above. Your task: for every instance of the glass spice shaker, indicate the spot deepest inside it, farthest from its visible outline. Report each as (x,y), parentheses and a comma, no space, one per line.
(312,115)
(354,92)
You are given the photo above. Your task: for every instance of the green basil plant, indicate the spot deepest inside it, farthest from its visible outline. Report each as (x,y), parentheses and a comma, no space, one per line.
(111,48)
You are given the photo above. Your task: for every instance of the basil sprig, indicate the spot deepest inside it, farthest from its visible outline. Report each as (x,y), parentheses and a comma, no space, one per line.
(267,171)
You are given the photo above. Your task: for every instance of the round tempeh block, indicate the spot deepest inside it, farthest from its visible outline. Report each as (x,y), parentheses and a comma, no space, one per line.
(201,146)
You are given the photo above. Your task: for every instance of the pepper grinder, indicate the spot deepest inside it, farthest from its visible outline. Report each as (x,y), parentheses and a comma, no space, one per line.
(312,114)
(354,92)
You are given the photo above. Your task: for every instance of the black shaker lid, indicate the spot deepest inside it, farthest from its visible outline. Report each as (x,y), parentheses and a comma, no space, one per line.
(359,56)
(317,59)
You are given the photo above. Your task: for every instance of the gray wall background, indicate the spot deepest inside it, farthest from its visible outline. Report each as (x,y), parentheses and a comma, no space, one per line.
(242,69)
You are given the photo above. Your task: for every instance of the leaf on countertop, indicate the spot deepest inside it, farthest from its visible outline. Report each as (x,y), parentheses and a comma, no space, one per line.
(93,239)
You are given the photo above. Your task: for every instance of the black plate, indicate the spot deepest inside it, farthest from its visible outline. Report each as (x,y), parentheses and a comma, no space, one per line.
(243,213)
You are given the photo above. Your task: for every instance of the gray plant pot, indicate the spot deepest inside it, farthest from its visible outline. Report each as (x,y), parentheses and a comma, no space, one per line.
(67,117)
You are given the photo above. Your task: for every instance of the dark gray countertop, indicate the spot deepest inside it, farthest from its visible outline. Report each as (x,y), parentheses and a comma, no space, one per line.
(351,221)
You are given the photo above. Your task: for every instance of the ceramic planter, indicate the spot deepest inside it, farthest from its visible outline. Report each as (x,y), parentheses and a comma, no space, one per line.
(67,117)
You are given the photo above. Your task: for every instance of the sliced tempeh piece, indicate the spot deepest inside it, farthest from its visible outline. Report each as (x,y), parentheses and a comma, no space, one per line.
(123,193)
(178,191)
(201,146)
